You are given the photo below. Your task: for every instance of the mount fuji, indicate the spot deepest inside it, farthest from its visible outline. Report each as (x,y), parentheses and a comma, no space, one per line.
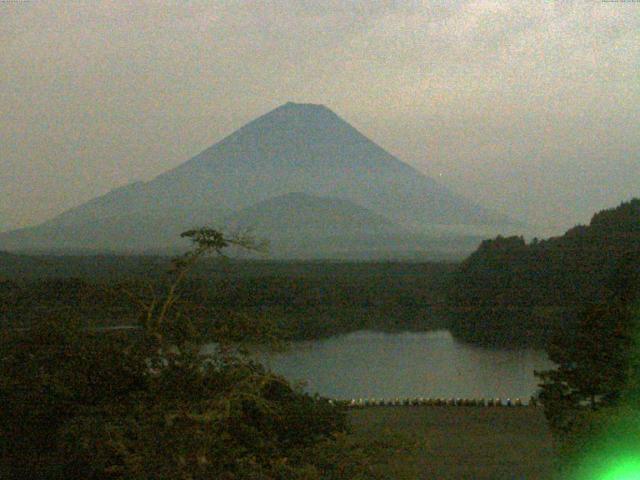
(300,168)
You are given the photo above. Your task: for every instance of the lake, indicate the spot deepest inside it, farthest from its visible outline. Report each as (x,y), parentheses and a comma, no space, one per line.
(427,364)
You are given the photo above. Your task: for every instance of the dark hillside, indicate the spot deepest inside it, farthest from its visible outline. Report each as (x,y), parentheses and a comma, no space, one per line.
(509,292)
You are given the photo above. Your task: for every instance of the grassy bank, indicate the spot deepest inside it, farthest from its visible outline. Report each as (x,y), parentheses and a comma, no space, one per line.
(456,442)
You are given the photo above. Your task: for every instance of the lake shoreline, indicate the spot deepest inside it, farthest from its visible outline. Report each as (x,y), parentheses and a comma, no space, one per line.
(409,365)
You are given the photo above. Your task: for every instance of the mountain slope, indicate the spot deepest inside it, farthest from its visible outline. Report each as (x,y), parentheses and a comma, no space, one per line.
(509,292)
(294,148)
(308,148)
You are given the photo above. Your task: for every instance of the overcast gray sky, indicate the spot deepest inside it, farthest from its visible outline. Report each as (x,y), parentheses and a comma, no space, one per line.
(531,108)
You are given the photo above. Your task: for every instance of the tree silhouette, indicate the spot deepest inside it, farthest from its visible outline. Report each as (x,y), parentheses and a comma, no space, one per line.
(592,364)
(157,402)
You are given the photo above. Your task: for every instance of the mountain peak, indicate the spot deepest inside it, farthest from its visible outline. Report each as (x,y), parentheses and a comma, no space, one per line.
(306,111)
(304,106)
(291,113)
(293,123)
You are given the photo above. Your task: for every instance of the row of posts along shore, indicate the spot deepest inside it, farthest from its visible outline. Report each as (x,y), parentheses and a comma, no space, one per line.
(437,402)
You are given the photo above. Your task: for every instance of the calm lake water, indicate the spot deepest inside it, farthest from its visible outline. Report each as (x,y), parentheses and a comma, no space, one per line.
(389,365)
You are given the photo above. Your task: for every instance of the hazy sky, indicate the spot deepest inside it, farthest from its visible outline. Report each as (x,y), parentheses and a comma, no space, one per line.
(532,108)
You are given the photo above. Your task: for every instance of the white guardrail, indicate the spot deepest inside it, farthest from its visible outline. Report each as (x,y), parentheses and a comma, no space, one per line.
(436,402)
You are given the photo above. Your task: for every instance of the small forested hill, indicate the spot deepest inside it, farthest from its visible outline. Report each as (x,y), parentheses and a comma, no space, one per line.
(301,210)
(304,215)
(509,292)
(302,225)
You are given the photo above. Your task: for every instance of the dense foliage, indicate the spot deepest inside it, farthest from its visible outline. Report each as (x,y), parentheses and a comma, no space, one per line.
(592,398)
(511,293)
(593,363)
(151,403)
(308,299)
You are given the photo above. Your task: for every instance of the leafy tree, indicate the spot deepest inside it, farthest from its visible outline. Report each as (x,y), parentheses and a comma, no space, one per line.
(155,404)
(592,364)
(598,435)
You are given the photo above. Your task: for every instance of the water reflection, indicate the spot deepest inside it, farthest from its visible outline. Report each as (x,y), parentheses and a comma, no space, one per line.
(388,365)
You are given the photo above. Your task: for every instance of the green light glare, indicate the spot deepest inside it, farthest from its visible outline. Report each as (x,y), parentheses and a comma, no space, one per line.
(625,469)
(615,455)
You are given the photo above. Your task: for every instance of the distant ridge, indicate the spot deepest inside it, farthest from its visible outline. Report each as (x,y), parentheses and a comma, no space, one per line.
(299,225)
(303,148)
(288,214)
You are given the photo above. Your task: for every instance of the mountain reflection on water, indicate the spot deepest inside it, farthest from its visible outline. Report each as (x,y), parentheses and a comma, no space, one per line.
(368,364)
